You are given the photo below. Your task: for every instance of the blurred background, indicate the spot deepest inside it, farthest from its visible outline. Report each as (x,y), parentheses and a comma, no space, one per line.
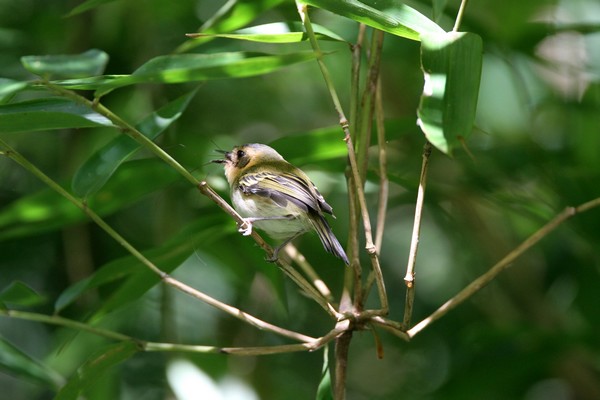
(531,334)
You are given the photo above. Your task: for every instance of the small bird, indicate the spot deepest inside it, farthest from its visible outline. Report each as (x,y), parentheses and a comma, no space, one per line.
(277,197)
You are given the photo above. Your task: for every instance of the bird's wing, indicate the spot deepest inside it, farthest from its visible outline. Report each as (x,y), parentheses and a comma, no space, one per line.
(285,187)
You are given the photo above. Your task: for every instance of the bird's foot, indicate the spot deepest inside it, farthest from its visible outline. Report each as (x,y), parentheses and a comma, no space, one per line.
(245,228)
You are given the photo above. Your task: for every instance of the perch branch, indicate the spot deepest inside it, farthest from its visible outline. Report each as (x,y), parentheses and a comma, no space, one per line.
(501,265)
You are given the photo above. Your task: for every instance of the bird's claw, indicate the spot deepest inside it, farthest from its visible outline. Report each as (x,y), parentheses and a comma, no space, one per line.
(245,228)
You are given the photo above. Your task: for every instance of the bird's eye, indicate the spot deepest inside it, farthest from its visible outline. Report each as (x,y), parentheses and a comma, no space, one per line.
(241,153)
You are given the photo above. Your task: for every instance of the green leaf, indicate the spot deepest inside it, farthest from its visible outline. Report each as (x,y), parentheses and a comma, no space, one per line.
(183,68)
(451,64)
(234,14)
(19,293)
(137,279)
(48,114)
(98,364)
(390,16)
(46,210)
(87,5)
(89,63)
(324,391)
(9,87)
(272,33)
(14,362)
(94,173)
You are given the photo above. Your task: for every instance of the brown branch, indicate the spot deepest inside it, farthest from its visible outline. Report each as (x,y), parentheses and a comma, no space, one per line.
(502,265)
(409,278)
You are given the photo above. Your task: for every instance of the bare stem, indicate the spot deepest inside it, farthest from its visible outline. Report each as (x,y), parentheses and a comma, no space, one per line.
(459,16)
(502,265)
(409,278)
(383,178)
(309,271)
(342,348)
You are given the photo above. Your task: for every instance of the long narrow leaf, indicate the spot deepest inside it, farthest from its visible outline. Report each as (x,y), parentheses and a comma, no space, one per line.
(46,210)
(15,362)
(89,63)
(87,5)
(181,68)
(452,68)
(234,14)
(95,366)
(390,16)
(48,114)
(273,33)
(94,173)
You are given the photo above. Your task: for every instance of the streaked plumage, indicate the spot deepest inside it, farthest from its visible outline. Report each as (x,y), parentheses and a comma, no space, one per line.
(277,197)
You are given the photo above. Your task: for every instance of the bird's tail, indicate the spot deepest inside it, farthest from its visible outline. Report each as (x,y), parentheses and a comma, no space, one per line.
(328,239)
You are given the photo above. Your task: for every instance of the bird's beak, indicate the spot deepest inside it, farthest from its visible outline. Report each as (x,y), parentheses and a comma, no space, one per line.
(226,157)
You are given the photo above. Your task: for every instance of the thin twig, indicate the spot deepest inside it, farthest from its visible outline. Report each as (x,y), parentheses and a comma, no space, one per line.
(383,183)
(459,16)
(409,278)
(502,265)
(310,272)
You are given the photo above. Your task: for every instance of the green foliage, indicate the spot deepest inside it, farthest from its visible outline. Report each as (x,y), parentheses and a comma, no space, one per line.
(251,76)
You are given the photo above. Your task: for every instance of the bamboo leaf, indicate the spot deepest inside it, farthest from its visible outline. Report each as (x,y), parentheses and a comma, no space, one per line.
(234,14)
(390,16)
(17,363)
(8,88)
(46,210)
(181,68)
(89,63)
(19,293)
(96,171)
(451,65)
(272,33)
(96,365)
(48,114)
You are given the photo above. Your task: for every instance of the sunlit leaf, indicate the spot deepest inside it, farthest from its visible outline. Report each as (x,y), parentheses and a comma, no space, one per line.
(99,363)
(46,210)
(48,114)
(390,16)
(94,173)
(181,68)
(452,68)
(21,294)
(234,14)
(272,33)
(9,87)
(15,362)
(89,63)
